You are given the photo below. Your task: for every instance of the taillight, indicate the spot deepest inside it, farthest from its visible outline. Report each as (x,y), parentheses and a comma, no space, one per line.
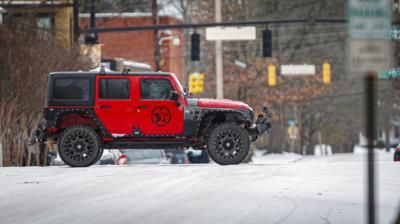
(122,159)
(398,148)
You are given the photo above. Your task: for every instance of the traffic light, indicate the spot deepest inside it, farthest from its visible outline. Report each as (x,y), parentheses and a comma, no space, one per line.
(267,43)
(326,73)
(193,83)
(271,75)
(196,82)
(195,48)
(200,83)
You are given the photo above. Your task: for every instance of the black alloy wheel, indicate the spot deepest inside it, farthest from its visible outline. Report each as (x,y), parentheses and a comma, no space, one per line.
(228,144)
(80,146)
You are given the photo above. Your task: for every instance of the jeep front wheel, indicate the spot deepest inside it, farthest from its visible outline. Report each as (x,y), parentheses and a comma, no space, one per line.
(79,146)
(228,144)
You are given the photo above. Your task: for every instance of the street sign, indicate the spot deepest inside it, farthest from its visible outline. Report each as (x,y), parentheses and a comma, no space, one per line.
(294,70)
(369,19)
(231,33)
(369,46)
(293,131)
(392,73)
(369,55)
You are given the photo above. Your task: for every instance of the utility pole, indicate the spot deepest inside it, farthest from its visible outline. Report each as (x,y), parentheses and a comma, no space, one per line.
(93,14)
(154,9)
(218,55)
(75,20)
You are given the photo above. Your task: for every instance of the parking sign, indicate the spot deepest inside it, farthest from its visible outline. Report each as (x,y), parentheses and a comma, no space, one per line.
(369,47)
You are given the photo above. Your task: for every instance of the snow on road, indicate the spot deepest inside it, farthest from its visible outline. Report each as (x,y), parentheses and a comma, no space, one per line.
(310,190)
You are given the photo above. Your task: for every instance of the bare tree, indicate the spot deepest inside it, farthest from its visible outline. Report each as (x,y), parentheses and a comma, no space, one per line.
(28,55)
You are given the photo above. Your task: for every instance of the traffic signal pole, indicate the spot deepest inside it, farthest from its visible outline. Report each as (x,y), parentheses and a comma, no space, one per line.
(370,106)
(218,55)
(154,9)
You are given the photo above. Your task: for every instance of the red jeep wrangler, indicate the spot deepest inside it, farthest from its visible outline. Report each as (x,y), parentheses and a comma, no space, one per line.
(88,111)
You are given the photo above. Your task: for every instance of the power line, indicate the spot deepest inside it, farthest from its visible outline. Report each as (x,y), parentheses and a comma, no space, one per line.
(209,24)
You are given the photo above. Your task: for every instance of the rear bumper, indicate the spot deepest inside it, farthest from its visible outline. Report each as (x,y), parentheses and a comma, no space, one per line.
(39,136)
(262,124)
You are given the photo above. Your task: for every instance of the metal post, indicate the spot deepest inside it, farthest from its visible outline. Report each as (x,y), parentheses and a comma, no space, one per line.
(154,9)
(218,55)
(76,20)
(93,14)
(370,90)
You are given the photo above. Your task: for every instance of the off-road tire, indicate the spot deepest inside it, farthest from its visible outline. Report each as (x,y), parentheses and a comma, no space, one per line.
(80,146)
(228,144)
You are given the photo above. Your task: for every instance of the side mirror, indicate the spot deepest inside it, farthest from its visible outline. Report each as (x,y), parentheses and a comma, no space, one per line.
(175,97)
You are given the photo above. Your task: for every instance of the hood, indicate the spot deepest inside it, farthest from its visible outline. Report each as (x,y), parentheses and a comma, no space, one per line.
(222,103)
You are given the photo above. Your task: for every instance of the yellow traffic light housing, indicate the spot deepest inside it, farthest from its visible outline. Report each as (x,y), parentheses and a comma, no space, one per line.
(200,83)
(271,75)
(196,83)
(326,73)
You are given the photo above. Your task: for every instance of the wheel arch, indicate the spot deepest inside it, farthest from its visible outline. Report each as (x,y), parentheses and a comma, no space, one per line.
(213,118)
(73,118)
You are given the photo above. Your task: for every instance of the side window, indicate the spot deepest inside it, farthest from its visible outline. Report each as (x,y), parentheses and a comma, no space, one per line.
(71,89)
(155,89)
(114,88)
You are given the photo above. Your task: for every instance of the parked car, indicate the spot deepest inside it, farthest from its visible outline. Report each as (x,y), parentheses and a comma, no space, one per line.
(177,156)
(397,154)
(143,156)
(197,156)
(109,157)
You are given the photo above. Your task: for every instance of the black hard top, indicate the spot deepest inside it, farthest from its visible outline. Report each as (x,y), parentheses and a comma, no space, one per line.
(96,73)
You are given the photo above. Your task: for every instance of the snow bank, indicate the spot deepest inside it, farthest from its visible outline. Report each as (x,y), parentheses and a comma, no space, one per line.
(275,158)
(362,150)
(323,150)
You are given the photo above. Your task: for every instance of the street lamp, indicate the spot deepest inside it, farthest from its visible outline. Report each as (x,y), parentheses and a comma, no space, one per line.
(2,11)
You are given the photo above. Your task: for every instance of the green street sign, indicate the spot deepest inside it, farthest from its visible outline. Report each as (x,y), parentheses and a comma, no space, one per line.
(369,19)
(369,46)
(390,74)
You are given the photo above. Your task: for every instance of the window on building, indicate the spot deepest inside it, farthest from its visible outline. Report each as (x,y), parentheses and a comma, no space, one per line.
(114,88)
(155,89)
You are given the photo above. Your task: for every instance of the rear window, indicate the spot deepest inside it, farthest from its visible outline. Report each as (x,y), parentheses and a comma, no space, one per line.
(71,89)
(114,88)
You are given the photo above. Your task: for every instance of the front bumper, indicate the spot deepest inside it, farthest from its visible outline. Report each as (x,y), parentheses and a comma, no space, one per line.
(262,124)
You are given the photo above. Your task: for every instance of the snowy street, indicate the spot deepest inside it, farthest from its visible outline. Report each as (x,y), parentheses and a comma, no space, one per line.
(299,190)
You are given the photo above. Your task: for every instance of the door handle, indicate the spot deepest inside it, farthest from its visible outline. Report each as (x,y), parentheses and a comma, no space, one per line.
(142,107)
(105,107)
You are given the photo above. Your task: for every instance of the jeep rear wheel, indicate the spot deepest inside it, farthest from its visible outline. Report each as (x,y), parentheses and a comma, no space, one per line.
(80,146)
(228,144)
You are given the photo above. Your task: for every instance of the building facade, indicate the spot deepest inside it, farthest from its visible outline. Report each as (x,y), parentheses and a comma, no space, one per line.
(54,17)
(139,45)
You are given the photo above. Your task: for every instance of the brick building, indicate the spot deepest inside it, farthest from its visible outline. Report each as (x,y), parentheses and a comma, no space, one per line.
(55,17)
(139,45)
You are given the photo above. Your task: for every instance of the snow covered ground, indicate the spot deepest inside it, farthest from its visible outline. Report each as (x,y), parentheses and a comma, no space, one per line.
(306,190)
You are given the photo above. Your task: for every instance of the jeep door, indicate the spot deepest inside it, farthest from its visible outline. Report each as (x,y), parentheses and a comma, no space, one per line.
(114,104)
(157,113)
